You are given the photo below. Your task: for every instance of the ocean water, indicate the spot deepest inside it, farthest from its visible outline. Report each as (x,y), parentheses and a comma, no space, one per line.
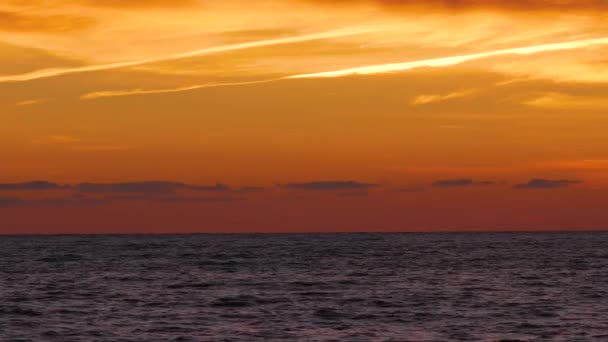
(327,287)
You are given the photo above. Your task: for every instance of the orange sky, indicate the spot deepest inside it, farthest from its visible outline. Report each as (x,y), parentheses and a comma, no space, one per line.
(371,115)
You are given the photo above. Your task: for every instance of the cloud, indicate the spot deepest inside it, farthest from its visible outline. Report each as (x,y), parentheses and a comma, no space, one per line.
(455,60)
(538,183)
(559,101)
(131,92)
(513,5)
(101,193)
(103,148)
(173,199)
(54,201)
(177,199)
(148,187)
(141,188)
(451,183)
(9,201)
(63,139)
(165,4)
(331,186)
(31,186)
(410,189)
(30,102)
(19,22)
(218,187)
(433,98)
(46,73)
(362,193)
(249,189)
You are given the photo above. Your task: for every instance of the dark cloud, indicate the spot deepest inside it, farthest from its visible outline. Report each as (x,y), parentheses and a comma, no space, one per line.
(331,185)
(218,187)
(149,187)
(249,189)
(452,183)
(177,199)
(448,183)
(99,193)
(362,193)
(19,22)
(54,201)
(9,201)
(538,183)
(34,185)
(486,183)
(133,187)
(410,189)
(66,201)
(78,200)
(174,199)
(512,5)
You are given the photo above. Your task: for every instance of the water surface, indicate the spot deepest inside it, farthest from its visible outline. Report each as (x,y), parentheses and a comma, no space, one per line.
(346,287)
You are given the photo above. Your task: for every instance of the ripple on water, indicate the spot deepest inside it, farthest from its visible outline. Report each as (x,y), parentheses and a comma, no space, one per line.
(350,287)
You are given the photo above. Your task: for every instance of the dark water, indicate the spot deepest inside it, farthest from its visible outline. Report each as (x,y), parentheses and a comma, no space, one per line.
(352,287)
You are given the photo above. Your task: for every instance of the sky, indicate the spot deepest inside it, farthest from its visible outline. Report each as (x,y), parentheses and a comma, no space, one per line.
(214,116)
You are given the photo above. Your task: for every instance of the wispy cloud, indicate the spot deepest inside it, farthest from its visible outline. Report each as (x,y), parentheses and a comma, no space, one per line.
(424,99)
(561,101)
(131,92)
(20,22)
(30,102)
(455,60)
(102,148)
(63,139)
(433,98)
(453,5)
(46,73)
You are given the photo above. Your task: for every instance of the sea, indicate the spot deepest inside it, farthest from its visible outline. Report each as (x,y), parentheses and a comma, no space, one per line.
(305,287)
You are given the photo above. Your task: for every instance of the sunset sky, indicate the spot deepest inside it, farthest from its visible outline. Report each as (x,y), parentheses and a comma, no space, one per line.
(303,115)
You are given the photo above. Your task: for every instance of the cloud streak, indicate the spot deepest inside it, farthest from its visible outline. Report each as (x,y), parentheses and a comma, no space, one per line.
(513,5)
(378,69)
(30,102)
(455,60)
(434,98)
(120,93)
(46,73)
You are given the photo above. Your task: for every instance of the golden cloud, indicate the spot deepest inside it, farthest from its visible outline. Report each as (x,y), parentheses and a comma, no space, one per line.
(18,22)
(516,5)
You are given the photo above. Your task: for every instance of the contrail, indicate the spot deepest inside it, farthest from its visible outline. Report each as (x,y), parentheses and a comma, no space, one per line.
(454,60)
(374,69)
(46,73)
(117,93)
